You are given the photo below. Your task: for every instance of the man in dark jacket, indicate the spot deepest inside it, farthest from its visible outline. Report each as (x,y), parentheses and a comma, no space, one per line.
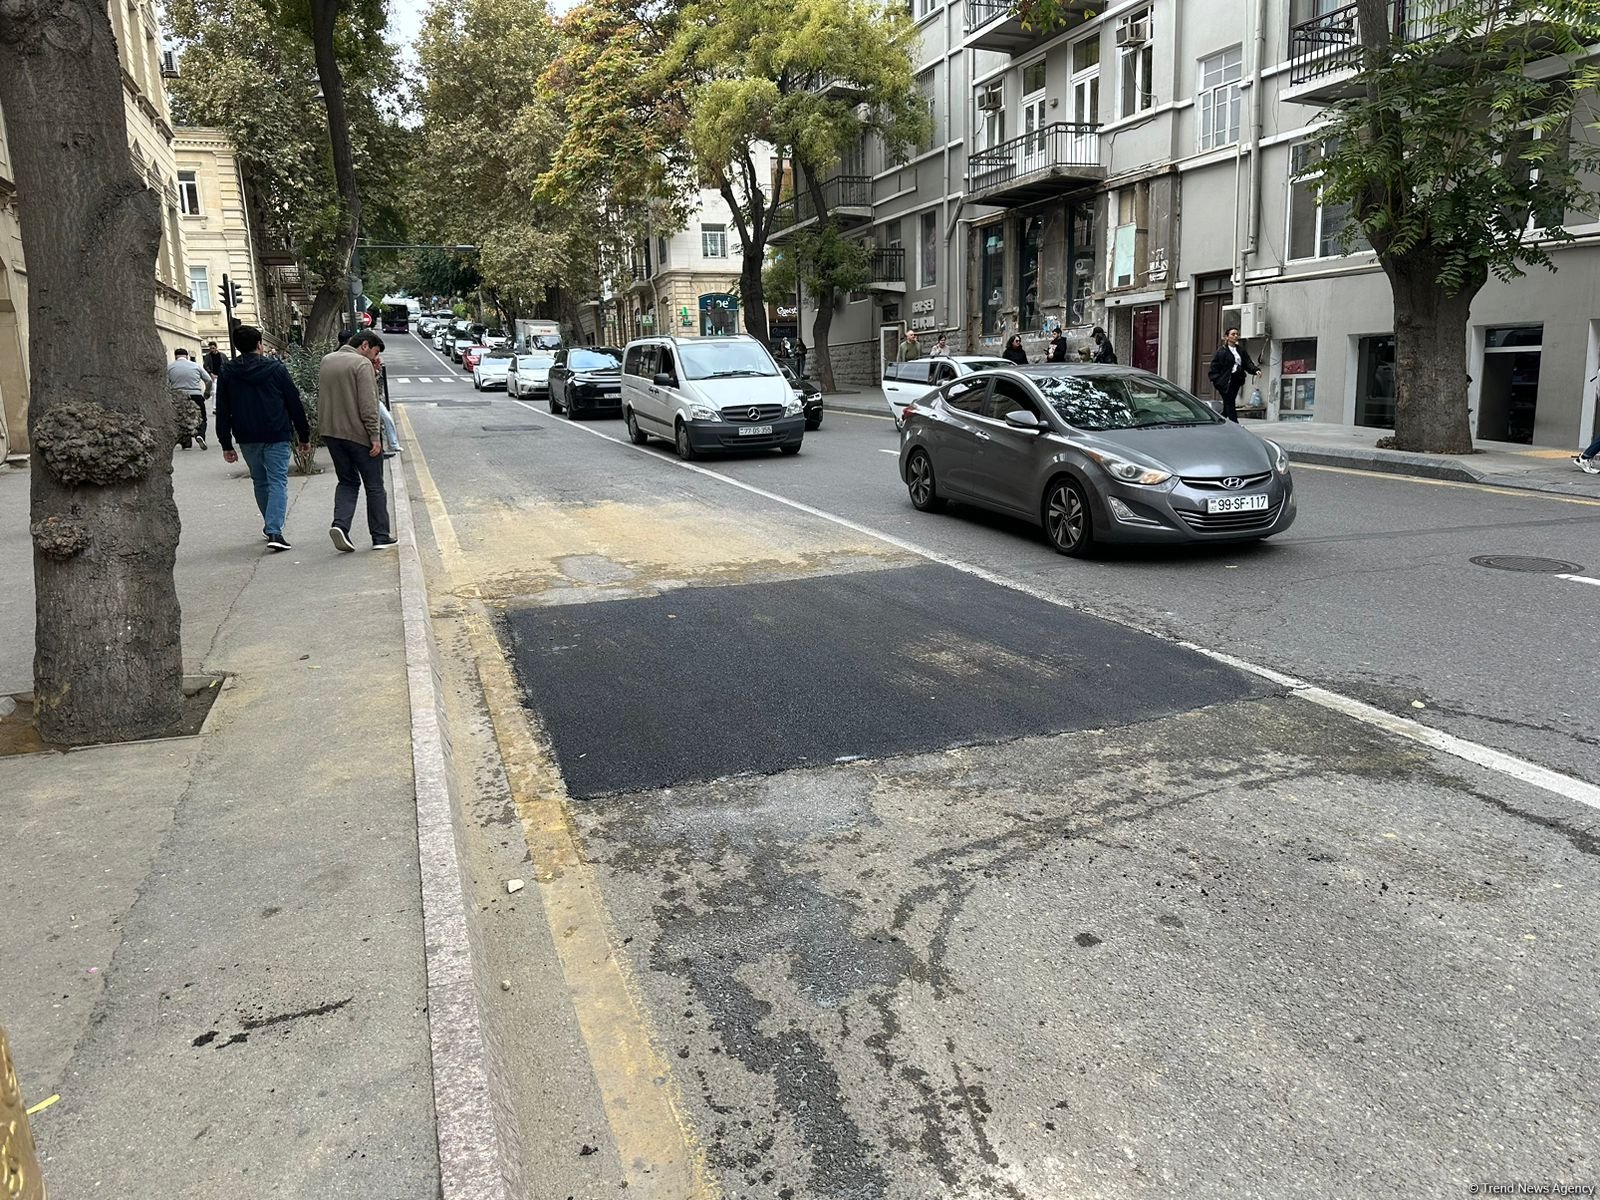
(213,361)
(1229,365)
(258,403)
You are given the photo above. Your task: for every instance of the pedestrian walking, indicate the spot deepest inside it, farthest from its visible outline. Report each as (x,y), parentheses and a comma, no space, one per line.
(259,405)
(1058,347)
(941,348)
(910,348)
(1229,365)
(1103,352)
(188,378)
(800,358)
(347,397)
(1014,351)
(212,362)
(1584,459)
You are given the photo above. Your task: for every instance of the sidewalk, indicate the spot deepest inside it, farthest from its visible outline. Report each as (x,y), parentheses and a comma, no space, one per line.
(214,946)
(1501,464)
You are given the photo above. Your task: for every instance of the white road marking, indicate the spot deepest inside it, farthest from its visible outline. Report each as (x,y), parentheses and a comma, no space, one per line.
(429,348)
(845,412)
(1577,790)
(1580,579)
(404,380)
(883,451)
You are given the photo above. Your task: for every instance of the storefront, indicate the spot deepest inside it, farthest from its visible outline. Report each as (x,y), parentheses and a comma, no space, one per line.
(719,314)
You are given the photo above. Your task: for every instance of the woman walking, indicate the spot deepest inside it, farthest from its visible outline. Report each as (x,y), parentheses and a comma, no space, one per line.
(1014,351)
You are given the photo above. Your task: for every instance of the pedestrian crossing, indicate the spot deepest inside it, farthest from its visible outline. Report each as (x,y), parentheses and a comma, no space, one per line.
(433,379)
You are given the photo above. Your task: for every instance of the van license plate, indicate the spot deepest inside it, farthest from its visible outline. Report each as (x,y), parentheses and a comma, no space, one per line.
(759,430)
(1229,504)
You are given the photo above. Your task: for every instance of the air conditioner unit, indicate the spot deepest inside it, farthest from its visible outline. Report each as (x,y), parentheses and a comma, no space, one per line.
(169,64)
(1133,33)
(1250,318)
(990,100)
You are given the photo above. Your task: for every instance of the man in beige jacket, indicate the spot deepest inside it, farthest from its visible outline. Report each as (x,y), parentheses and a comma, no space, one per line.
(347,405)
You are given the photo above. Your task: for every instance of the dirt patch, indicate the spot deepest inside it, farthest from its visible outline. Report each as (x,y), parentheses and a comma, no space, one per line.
(19,735)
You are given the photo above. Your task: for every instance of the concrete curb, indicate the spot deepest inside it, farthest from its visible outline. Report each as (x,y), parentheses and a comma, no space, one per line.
(464,1113)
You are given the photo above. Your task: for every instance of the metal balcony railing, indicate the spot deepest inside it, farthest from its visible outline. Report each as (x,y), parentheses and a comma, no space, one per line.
(1331,43)
(889,264)
(840,192)
(981,12)
(1047,150)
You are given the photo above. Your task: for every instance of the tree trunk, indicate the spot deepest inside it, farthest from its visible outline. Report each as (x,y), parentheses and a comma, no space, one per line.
(752,296)
(327,310)
(823,295)
(324,15)
(1430,343)
(108,658)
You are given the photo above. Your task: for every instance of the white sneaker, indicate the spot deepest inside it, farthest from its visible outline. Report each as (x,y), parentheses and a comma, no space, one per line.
(1588,466)
(341,539)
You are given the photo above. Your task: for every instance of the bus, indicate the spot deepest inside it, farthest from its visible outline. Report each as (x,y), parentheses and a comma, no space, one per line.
(396,318)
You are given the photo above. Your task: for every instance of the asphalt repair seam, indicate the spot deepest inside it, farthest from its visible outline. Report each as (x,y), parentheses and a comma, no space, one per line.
(1565,786)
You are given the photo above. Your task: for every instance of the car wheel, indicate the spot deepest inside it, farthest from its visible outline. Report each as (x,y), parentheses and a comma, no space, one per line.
(794,449)
(814,423)
(686,449)
(554,407)
(635,435)
(1068,522)
(476,386)
(572,411)
(920,484)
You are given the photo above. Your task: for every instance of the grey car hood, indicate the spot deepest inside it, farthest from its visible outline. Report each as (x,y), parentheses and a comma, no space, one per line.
(1196,450)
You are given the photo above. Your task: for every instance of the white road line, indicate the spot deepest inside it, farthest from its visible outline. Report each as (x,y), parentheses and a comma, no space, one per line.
(405,380)
(845,412)
(1580,579)
(1520,769)
(881,450)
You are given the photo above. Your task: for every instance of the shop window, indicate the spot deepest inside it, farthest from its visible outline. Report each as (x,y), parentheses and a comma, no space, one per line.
(993,276)
(1375,381)
(1028,275)
(1298,388)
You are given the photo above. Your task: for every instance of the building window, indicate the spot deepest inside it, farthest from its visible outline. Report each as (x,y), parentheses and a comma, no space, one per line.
(994,276)
(1298,390)
(926,8)
(1080,263)
(1136,63)
(661,253)
(1314,226)
(200,287)
(926,86)
(714,241)
(928,249)
(1028,275)
(1219,98)
(188,194)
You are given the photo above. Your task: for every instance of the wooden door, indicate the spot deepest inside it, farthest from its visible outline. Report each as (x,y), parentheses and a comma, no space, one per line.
(1145,353)
(1212,294)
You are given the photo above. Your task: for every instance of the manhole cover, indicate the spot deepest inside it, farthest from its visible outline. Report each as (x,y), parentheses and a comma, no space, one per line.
(1518,562)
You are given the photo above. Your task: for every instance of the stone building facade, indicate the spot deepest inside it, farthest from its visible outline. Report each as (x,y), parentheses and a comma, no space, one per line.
(218,237)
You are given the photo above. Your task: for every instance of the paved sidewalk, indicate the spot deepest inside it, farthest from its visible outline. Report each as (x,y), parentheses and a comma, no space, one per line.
(213,947)
(1501,464)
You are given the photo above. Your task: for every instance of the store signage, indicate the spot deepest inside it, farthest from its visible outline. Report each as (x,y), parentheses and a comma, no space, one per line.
(922,306)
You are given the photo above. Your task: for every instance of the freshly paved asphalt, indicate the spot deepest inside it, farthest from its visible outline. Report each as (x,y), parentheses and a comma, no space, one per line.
(1180,937)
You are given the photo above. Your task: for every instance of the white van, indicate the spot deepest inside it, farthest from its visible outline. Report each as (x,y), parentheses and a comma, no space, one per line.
(709,394)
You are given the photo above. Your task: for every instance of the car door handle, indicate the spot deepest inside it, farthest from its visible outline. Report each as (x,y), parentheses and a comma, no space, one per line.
(981,435)
(656,390)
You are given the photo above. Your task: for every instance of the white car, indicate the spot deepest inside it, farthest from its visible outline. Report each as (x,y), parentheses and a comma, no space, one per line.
(491,370)
(530,376)
(906,383)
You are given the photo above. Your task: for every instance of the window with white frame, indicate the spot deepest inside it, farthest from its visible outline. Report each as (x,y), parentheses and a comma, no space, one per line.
(200,287)
(1315,225)
(928,249)
(926,8)
(1136,63)
(1218,98)
(188,194)
(714,241)
(926,85)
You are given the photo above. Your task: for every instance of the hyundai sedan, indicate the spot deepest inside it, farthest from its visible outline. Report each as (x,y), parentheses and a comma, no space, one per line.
(1094,454)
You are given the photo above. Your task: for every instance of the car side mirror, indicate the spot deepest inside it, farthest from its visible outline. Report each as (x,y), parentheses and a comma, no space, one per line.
(1022,419)
(665,379)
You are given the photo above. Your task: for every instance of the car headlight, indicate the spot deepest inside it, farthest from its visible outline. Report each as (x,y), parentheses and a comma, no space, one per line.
(703,412)
(1129,472)
(792,407)
(1280,457)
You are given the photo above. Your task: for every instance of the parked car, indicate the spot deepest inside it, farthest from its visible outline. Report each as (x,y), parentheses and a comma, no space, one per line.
(1094,454)
(810,395)
(909,381)
(495,339)
(470,357)
(491,369)
(586,380)
(530,375)
(706,394)
(459,345)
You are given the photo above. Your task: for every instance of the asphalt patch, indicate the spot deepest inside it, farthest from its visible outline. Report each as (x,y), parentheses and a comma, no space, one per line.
(701,683)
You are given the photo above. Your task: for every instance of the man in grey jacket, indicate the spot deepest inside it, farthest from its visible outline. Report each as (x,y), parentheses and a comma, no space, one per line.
(347,403)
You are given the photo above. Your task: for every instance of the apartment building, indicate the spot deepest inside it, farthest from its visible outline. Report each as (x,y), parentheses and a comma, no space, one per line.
(218,235)
(150,143)
(685,282)
(1136,169)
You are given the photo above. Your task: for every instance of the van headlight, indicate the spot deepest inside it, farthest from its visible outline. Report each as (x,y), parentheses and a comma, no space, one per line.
(1128,472)
(1280,457)
(703,412)
(792,407)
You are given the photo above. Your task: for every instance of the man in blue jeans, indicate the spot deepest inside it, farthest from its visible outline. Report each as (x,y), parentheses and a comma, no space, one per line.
(258,404)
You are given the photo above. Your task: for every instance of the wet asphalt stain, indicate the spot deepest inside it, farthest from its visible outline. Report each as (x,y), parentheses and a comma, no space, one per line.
(249,1025)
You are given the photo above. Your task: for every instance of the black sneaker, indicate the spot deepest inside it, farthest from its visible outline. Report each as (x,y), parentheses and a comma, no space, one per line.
(385,544)
(277,541)
(341,539)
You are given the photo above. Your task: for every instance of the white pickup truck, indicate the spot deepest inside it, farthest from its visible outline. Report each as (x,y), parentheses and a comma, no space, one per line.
(907,382)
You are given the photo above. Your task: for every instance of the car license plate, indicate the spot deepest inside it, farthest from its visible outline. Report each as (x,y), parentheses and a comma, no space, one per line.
(1229,504)
(754,430)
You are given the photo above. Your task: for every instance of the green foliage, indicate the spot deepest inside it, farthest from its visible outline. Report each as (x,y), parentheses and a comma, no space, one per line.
(439,273)
(304,362)
(824,260)
(1455,152)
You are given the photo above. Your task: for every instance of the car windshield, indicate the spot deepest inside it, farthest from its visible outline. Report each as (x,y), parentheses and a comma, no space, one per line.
(1122,402)
(724,360)
(593,360)
(986,364)
(503,354)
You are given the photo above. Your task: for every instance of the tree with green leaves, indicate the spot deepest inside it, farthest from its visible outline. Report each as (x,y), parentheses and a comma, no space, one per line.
(1460,162)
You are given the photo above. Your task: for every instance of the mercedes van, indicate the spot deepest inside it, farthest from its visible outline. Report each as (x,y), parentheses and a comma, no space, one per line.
(709,394)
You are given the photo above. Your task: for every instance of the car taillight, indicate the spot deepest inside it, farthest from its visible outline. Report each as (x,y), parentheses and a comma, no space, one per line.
(905,413)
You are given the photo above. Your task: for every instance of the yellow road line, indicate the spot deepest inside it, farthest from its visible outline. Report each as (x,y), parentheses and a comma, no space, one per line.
(658,1147)
(1450,483)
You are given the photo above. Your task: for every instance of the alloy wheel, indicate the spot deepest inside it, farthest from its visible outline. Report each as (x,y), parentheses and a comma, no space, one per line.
(1067,517)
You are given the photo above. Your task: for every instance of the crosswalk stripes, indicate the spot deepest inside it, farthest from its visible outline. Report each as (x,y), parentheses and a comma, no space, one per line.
(431,379)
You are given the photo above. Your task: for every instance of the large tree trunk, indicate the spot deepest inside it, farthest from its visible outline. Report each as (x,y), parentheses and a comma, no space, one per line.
(752,295)
(1430,344)
(108,659)
(821,360)
(327,310)
(324,15)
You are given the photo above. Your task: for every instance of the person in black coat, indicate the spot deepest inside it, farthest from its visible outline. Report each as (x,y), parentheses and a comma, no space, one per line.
(1229,365)
(1103,353)
(1014,351)
(1058,347)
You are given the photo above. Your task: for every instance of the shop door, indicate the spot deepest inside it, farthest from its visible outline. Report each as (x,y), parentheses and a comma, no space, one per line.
(1212,294)
(1145,353)
(1375,382)
(1510,392)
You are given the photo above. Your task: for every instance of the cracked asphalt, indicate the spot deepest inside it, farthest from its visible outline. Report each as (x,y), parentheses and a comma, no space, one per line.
(1078,912)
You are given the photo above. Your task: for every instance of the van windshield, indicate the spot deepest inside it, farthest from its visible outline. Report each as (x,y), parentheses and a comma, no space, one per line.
(723,360)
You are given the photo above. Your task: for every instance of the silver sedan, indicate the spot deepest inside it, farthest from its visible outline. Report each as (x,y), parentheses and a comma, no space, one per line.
(1095,454)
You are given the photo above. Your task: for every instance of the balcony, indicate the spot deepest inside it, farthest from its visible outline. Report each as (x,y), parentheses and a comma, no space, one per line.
(888,269)
(995,25)
(1054,160)
(848,199)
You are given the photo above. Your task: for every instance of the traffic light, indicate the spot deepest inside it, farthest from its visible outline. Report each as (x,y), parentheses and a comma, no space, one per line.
(233,295)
